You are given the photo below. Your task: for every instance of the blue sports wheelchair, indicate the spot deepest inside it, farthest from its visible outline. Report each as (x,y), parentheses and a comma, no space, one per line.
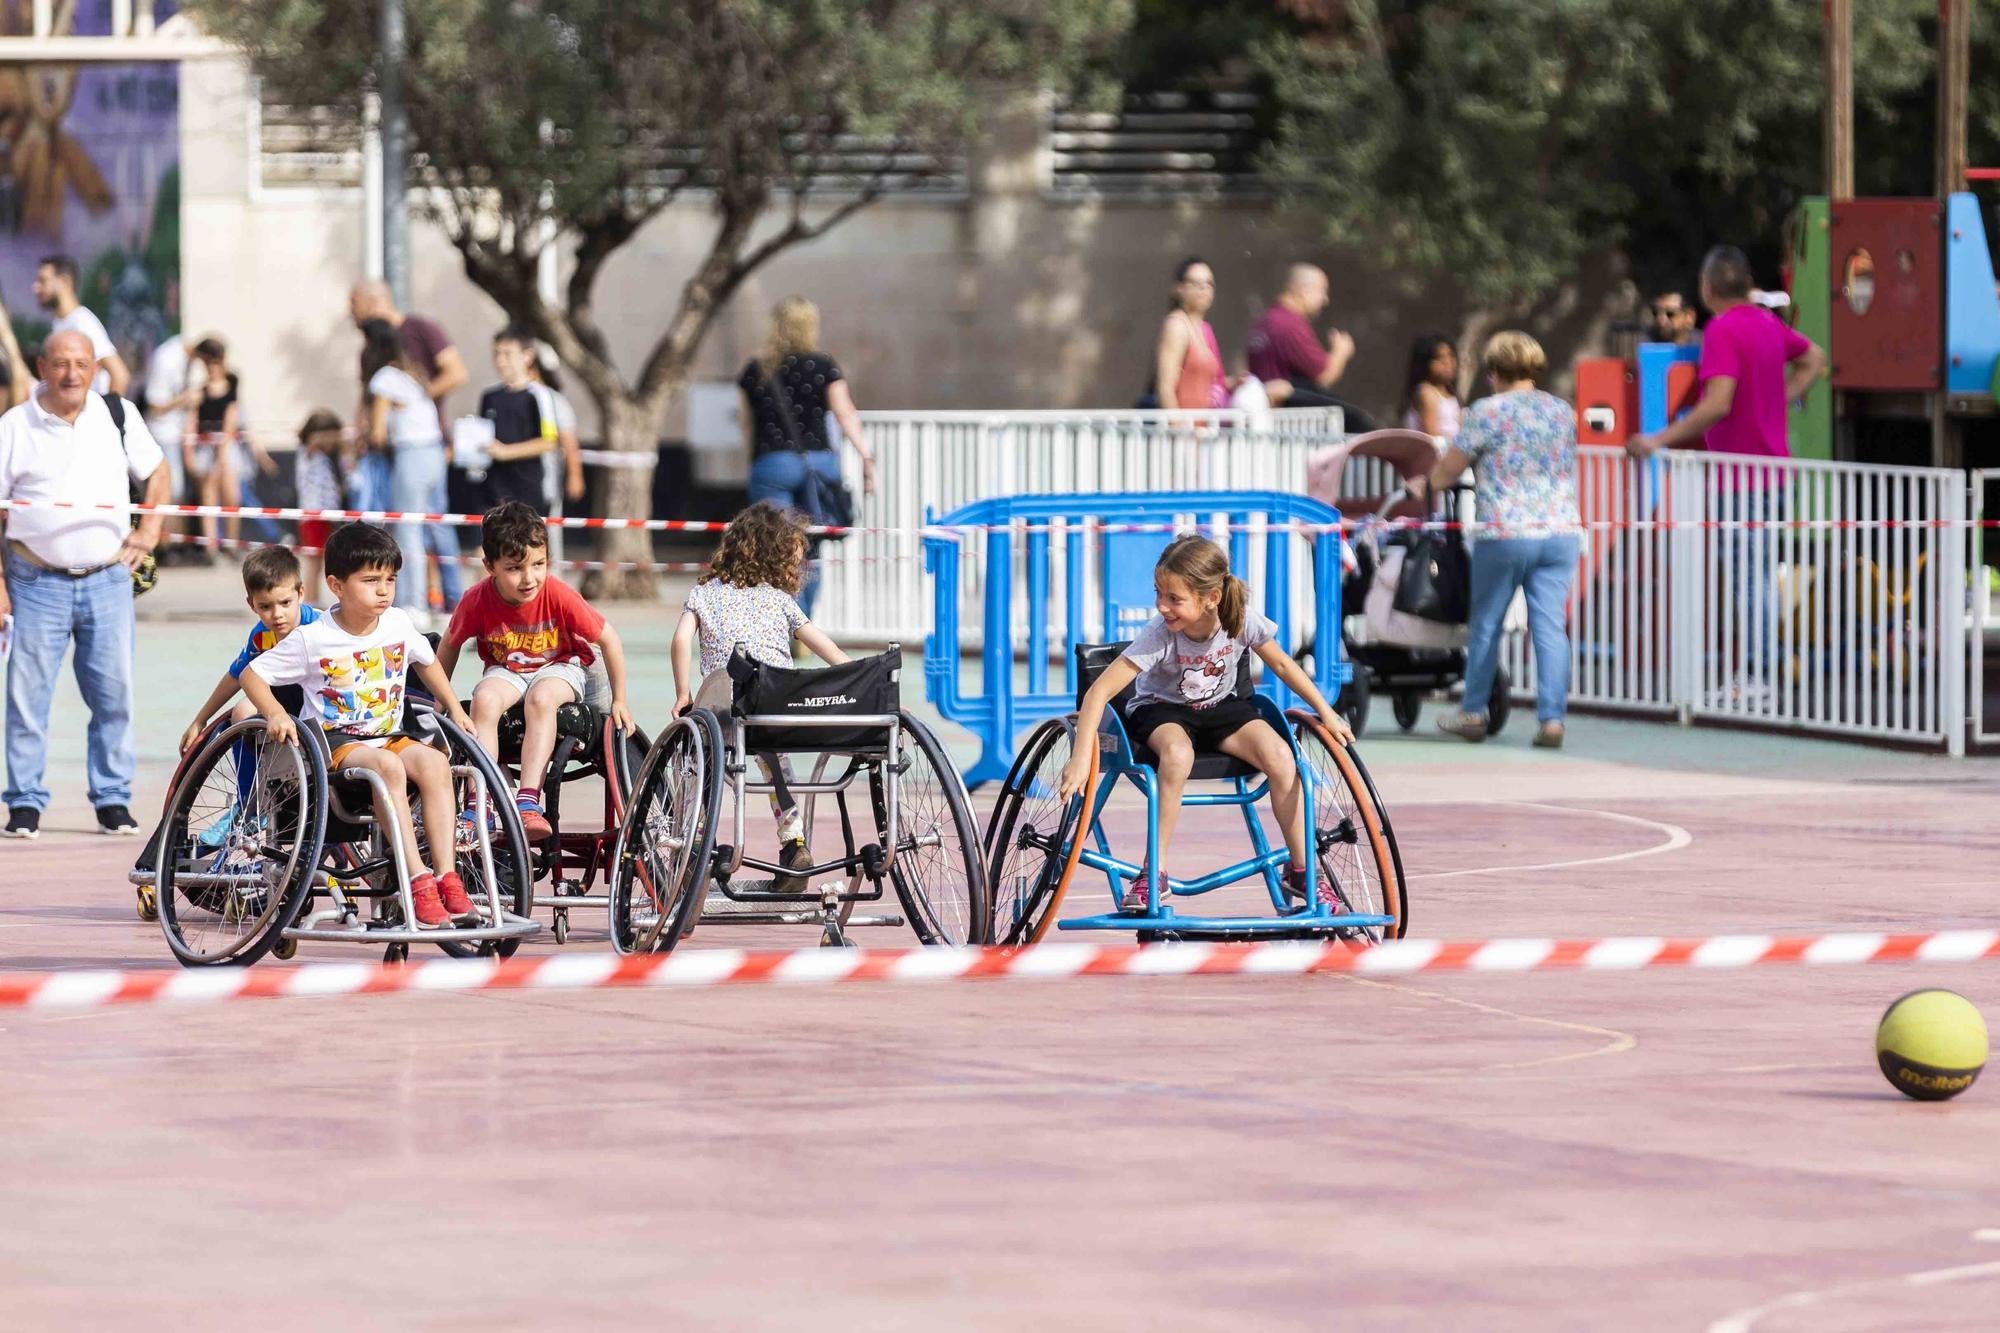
(1036,842)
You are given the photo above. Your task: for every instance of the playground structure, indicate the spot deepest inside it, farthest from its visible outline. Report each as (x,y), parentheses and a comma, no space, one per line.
(1042,561)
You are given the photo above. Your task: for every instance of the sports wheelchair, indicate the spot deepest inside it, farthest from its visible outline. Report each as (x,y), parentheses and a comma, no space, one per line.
(587,746)
(1036,841)
(262,846)
(877,769)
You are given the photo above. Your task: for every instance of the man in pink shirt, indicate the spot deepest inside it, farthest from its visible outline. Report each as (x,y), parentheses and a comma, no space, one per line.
(1283,349)
(1751,366)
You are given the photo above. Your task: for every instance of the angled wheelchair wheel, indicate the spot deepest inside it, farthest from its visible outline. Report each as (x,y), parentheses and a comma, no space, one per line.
(241,841)
(661,865)
(1357,848)
(513,863)
(937,869)
(1034,837)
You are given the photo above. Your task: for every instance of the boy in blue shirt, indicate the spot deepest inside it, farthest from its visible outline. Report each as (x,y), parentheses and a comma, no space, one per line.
(272,588)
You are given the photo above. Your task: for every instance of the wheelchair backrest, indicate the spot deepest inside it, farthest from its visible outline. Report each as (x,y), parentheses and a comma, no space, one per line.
(1092,660)
(867,686)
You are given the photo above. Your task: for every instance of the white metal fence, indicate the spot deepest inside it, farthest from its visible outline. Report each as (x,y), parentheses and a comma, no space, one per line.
(873,583)
(1830,597)
(1788,593)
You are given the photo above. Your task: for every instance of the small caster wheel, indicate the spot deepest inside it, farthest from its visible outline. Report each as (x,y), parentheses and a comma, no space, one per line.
(149,906)
(1408,705)
(561,925)
(833,937)
(285,949)
(396,953)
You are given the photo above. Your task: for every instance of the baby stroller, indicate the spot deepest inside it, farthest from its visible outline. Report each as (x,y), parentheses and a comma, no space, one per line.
(1397,651)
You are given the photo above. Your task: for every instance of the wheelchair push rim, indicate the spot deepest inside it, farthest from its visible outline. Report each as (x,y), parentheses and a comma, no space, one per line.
(1034,838)
(936,864)
(234,863)
(1356,849)
(667,838)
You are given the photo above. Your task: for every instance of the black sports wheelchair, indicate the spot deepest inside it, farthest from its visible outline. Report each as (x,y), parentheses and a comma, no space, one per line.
(879,774)
(263,845)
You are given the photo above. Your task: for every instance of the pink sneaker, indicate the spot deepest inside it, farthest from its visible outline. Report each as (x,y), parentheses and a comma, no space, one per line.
(1135,894)
(1324,895)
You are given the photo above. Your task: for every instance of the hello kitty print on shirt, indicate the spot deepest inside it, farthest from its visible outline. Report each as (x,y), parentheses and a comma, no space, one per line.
(1197,673)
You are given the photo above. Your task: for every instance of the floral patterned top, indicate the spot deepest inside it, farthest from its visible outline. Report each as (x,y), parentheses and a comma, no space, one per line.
(1523,451)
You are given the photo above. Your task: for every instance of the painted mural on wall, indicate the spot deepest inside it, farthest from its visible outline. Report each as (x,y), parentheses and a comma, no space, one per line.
(90,167)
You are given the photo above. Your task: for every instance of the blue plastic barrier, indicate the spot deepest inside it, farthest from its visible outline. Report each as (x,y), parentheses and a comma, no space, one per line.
(1001,711)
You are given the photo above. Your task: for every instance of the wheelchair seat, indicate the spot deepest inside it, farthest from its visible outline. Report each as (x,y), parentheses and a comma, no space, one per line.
(580,722)
(1092,659)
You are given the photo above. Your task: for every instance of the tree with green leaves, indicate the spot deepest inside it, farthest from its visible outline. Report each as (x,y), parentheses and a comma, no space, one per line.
(576,123)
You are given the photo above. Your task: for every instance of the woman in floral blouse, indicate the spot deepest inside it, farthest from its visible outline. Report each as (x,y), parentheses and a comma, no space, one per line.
(1521,445)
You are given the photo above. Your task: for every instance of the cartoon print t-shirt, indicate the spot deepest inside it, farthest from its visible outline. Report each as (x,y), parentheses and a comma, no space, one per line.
(1196,673)
(555,625)
(353,682)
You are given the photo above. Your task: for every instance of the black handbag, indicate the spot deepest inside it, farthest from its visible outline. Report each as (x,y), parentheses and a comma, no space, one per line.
(828,503)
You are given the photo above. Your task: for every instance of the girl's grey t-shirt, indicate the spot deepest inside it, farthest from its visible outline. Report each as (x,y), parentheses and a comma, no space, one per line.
(1198,673)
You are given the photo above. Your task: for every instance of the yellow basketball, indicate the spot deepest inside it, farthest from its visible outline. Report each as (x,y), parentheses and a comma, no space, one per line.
(1931,1044)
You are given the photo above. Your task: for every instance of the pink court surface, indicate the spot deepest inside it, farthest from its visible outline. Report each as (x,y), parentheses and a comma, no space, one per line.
(1662,1149)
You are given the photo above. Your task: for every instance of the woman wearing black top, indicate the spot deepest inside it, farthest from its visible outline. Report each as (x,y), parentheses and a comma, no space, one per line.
(784,444)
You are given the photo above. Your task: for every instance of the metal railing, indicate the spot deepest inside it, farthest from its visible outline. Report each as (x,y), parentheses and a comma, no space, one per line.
(1784,593)
(872,583)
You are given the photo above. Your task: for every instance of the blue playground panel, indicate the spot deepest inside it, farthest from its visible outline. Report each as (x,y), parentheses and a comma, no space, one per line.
(1003,710)
(1971,306)
(1655,360)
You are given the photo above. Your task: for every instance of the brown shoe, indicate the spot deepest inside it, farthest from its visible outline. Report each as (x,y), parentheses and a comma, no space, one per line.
(1550,737)
(1464,725)
(794,856)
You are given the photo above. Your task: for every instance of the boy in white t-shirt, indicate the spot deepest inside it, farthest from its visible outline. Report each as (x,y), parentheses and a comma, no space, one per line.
(352,663)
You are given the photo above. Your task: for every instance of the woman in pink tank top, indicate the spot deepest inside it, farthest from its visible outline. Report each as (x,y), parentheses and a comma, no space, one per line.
(1188,369)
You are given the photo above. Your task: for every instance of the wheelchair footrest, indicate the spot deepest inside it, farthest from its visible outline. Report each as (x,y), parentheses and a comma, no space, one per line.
(510,927)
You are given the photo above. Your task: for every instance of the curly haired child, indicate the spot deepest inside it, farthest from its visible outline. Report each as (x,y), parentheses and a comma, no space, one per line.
(748,595)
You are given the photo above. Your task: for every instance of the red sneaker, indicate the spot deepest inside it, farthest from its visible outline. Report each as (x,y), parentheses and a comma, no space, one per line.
(534,822)
(452,890)
(424,896)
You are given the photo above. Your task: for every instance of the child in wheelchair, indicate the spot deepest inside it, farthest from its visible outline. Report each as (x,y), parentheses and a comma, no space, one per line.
(537,637)
(1183,667)
(353,663)
(748,595)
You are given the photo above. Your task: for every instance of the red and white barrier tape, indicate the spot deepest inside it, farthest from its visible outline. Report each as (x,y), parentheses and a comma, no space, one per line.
(1085,527)
(805,967)
(626,566)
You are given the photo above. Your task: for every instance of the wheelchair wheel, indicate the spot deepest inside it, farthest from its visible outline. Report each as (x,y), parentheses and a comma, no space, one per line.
(1357,848)
(1353,701)
(1034,837)
(240,846)
(513,864)
(937,870)
(661,866)
(1408,706)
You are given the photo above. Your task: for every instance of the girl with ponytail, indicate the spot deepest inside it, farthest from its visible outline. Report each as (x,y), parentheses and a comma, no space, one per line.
(1185,667)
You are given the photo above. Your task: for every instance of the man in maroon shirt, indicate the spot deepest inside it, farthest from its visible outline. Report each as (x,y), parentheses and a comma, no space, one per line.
(1282,347)
(429,348)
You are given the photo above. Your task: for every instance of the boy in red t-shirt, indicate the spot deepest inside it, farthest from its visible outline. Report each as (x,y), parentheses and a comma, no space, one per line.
(537,637)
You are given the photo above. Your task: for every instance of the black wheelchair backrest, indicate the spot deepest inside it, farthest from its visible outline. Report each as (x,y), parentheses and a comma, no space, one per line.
(1092,659)
(867,685)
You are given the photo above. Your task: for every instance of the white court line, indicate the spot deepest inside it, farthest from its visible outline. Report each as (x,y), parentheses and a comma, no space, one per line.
(1677,838)
(1744,1320)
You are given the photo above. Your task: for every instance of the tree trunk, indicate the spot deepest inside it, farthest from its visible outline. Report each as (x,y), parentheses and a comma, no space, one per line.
(631,426)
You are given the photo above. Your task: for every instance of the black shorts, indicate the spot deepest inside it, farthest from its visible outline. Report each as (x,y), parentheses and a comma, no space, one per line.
(1206,727)
(291,698)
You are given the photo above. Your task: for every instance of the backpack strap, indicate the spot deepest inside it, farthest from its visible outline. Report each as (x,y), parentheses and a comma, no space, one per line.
(116,407)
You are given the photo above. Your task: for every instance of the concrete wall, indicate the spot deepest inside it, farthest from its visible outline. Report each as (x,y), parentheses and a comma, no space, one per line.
(1002,299)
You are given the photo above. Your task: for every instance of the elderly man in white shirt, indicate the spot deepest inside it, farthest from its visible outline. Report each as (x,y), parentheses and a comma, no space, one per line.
(69,576)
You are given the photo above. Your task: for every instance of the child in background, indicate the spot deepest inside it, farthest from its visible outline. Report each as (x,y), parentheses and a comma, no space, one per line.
(319,477)
(272,589)
(749,595)
(524,421)
(1186,662)
(536,635)
(1430,389)
(353,663)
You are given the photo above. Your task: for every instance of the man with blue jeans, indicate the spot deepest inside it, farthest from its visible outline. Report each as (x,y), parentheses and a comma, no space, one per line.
(69,576)
(1751,366)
